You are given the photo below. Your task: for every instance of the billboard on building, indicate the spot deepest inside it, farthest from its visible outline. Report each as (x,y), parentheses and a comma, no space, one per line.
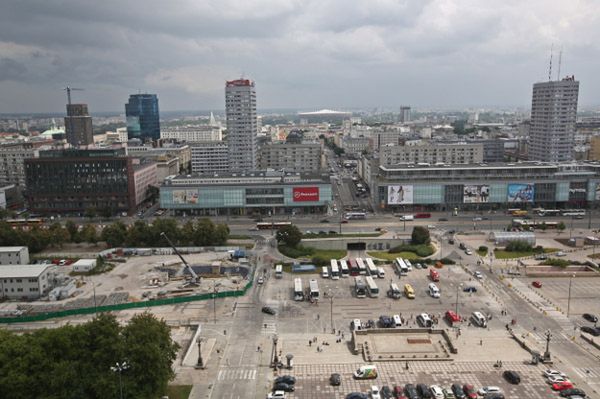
(185,196)
(304,194)
(400,195)
(520,192)
(597,193)
(476,194)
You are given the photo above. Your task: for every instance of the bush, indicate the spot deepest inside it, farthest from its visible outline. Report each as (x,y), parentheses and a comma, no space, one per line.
(320,261)
(518,246)
(447,261)
(420,235)
(556,262)
(483,249)
(420,250)
(296,252)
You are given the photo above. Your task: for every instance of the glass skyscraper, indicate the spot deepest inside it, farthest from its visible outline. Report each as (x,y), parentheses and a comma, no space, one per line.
(142,117)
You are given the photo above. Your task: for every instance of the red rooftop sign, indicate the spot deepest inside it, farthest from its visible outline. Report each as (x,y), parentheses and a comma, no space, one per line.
(306,194)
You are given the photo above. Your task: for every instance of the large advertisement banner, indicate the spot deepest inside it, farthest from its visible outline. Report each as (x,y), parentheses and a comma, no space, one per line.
(597,194)
(476,194)
(400,195)
(520,192)
(185,196)
(303,194)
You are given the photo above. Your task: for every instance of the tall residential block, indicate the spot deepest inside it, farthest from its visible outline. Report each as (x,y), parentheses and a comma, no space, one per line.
(240,107)
(553,117)
(78,125)
(142,115)
(404,114)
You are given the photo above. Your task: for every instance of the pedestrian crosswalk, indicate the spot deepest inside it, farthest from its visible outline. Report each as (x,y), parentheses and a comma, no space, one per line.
(269,328)
(588,373)
(236,374)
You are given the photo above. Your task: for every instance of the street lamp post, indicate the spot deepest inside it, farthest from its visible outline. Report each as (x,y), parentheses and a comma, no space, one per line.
(119,368)
(569,299)
(200,363)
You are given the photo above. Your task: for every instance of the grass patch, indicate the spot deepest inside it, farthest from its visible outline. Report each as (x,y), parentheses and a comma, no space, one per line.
(179,391)
(556,262)
(421,250)
(391,257)
(503,254)
(239,237)
(304,252)
(331,234)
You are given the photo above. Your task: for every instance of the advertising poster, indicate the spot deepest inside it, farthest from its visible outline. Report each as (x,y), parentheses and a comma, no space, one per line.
(400,195)
(476,194)
(597,194)
(185,196)
(304,194)
(520,192)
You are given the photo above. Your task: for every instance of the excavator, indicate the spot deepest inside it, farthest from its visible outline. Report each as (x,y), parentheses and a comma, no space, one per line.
(195,279)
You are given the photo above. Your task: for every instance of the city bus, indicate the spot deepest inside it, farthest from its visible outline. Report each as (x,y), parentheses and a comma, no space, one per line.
(354,271)
(362,268)
(314,290)
(422,215)
(355,215)
(298,292)
(526,224)
(335,271)
(344,268)
(409,291)
(371,266)
(372,287)
(278,271)
(25,222)
(548,212)
(401,267)
(360,288)
(272,226)
(573,212)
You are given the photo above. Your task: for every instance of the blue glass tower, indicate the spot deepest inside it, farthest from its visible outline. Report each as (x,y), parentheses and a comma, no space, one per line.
(142,117)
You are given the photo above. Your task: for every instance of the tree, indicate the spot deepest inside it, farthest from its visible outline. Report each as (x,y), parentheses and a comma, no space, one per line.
(221,234)
(169,227)
(420,235)
(139,234)
(58,235)
(107,212)
(90,212)
(114,235)
(73,230)
(561,227)
(203,232)
(89,234)
(289,236)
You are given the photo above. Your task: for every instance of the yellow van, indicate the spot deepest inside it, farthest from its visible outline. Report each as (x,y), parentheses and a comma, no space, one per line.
(409,291)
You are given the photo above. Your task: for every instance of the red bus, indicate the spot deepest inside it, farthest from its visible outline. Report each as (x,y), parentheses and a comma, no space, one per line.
(353,267)
(424,215)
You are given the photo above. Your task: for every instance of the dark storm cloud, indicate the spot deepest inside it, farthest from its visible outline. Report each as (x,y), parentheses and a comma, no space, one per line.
(309,53)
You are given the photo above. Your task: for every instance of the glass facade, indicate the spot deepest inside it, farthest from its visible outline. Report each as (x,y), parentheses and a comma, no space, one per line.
(142,117)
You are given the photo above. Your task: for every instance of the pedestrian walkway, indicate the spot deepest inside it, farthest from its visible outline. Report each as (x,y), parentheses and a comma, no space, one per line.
(269,328)
(542,304)
(236,374)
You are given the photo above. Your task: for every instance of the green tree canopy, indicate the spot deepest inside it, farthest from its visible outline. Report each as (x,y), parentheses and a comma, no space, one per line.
(420,235)
(289,236)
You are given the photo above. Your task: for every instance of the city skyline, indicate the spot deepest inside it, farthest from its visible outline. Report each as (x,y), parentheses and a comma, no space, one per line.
(304,55)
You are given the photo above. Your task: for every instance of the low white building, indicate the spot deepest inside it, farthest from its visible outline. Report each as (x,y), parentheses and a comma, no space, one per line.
(24,281)
(84,265)
(14,256)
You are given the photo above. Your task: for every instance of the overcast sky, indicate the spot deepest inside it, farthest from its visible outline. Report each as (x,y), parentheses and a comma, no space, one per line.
(302,54)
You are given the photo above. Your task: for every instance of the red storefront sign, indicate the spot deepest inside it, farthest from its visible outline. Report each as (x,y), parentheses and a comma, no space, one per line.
(306,194)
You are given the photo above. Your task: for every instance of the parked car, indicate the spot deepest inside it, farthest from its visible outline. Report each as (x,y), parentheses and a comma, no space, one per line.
(411,391)
(512,376)
(283,387)
(494,395)
(386,321)
(335,379)
(537,284)
(470,391)
(570,392)
(478,275)
(442,219)
(540,257)
(286,379)
(561,386)
(468,252)
(553,379)
(423,390)
(470,288)
(269,310)
(590,317)
(488,389)
(591,330)
(277,395)
(458,391)
(260,280)
(386,392)
(436,391)
(357,395)
(375,392)
(448,394)
(552,372)
(399,392)
(561,253)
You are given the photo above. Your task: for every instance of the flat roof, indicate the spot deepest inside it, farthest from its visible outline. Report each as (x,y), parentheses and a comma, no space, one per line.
(85,262)
(22,271)
(11,249)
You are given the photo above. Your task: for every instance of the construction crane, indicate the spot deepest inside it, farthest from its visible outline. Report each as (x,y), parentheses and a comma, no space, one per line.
(69,89)
(195,280)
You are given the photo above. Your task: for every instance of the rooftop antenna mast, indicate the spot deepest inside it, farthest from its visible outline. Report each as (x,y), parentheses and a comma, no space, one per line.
(559,64)
(550,67)
(69,89)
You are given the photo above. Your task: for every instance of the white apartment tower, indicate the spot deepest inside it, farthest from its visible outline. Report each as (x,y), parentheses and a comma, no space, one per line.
(553,117)
(240,107)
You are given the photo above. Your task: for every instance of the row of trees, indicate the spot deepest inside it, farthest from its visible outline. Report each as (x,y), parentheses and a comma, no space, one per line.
(75,361)
(140,234)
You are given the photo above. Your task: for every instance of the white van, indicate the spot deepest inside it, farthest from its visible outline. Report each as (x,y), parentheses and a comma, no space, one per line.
(397,320)
(380,272)
(434,291)
(356,325)
(424,320)
(479,319)
(325,272)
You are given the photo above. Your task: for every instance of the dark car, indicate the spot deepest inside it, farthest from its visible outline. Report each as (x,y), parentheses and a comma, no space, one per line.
(283,387)
(567,393)
(512,376)
(494,395)
(386,321)
(357,395)
(399,392)
(462,246)
(451,241)
(335,379)
(591,330)
(386,392)
(411,391)
(268,310)
(458,391)
(324,221)
(590,317)
(424,391)
(470,289)
(285,379)
(442,219)
(470,391)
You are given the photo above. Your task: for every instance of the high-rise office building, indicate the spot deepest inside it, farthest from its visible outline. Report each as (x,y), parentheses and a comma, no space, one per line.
(240,107)
(143,120)
(404,114)
(78,125)
(553,117)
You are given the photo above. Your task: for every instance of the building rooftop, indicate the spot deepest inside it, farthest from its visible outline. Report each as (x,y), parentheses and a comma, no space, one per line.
(239,82)
(22,271)
(323,112)
(11,249)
